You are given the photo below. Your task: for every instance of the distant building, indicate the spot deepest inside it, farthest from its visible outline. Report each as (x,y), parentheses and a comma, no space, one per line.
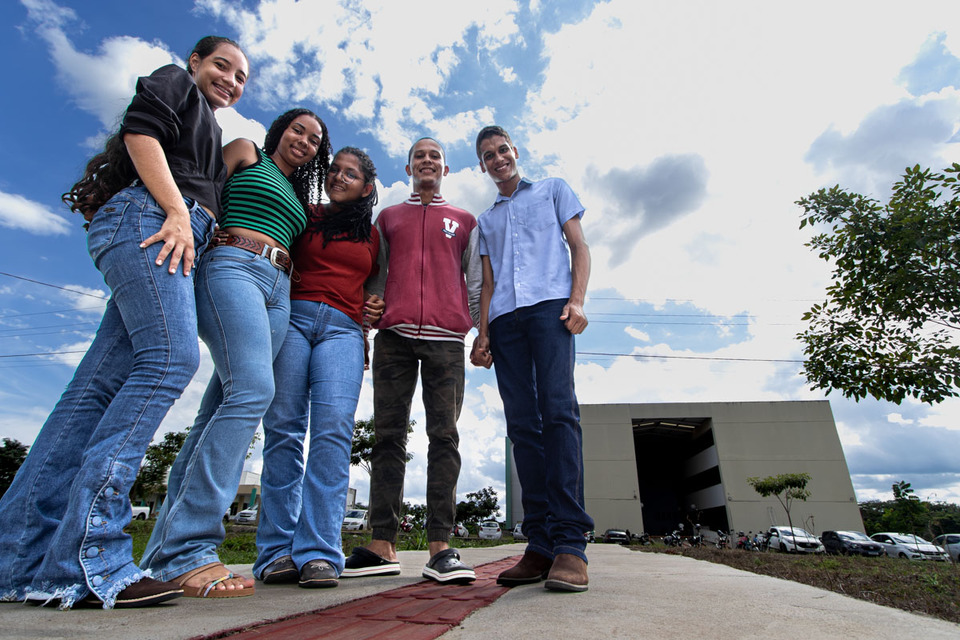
(650,467)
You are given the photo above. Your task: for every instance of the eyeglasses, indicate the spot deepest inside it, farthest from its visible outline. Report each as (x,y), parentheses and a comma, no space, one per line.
(346,175)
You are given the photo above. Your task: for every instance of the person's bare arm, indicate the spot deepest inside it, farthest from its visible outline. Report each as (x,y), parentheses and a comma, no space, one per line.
(480,355)
(238,154)
(176,233)
(573,315)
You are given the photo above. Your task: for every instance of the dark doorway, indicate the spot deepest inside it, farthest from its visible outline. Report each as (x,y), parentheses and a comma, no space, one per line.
(663,447)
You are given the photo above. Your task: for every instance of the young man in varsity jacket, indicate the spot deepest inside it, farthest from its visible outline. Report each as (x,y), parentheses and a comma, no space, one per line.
(431,276)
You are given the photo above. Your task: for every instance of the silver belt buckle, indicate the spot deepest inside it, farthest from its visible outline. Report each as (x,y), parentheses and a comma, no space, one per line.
(272,254)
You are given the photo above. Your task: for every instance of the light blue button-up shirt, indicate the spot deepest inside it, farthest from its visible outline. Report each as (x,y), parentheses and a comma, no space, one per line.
(523,236)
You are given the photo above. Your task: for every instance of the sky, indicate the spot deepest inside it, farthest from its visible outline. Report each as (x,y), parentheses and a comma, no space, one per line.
(687,129)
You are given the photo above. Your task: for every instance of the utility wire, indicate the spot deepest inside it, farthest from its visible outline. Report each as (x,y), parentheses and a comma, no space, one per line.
(47,284)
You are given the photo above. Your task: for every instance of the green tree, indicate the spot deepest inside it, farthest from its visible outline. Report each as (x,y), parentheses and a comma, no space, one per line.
(872,512)
(479,506)
(12,454)
(908,514)
(787,487)
(152,477)
(889,323)
(363,440)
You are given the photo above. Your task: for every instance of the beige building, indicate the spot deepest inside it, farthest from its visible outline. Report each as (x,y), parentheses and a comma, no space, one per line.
(649,467)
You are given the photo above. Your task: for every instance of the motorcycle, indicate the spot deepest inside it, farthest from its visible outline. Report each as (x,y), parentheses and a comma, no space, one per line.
(696,540)
(641,539)
(723,540)
(406,523)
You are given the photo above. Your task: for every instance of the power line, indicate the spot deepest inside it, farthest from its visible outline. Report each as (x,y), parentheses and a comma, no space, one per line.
(54,286)
(41,313)
(653,356)
(47,353)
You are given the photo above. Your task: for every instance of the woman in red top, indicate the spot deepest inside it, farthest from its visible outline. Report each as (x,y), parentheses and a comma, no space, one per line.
(320,368)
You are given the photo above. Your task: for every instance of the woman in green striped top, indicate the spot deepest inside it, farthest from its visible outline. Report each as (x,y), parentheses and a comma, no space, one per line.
(243,308)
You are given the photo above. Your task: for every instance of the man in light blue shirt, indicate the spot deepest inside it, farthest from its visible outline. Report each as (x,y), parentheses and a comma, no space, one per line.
(536,264)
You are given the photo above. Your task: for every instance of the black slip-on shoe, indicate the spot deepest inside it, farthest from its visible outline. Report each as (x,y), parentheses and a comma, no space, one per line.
(318,574)
(363,562)
(445,566)
(280,571)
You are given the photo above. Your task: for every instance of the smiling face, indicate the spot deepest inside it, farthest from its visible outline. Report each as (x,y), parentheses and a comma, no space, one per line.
(427,166)
(499,159)
(299,144)
(221,76)
(345,181)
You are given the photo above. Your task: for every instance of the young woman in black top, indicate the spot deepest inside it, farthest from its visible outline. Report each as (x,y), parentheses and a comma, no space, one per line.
(151,199)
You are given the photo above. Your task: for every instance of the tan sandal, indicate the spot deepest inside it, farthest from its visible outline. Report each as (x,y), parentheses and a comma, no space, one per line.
(209,590)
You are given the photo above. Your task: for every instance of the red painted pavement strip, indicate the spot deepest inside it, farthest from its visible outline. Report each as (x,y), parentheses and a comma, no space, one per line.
(420,611)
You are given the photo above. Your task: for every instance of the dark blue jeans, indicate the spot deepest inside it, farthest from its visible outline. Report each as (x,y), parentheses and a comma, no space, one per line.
(533,355)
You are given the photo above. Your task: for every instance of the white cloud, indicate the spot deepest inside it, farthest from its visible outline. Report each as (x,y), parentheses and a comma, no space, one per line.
(377,63)
(17,212)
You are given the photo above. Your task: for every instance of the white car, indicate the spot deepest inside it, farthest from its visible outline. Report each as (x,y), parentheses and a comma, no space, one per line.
(490,530)
(518,532)
(247,516)
(794,540)
(355,520)
(907,545)
(949,542)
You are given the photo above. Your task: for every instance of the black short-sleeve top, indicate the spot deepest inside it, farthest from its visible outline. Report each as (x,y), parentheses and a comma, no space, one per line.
(169,107)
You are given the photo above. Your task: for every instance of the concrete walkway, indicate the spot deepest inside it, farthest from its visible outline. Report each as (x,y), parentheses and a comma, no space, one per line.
(632,595)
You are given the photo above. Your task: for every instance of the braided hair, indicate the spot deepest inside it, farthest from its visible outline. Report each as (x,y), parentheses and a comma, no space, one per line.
(112,170)
(307,180)
(354,219)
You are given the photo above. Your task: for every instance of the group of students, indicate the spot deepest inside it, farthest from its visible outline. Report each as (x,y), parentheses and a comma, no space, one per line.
(284,286)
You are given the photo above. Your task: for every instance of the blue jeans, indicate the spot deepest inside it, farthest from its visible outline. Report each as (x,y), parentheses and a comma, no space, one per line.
(243,307)
(62,519)
(320,367)
(533,355)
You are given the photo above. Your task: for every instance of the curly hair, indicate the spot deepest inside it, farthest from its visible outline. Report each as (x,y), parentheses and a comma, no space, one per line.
(112,170)
(354,219)
(307,180)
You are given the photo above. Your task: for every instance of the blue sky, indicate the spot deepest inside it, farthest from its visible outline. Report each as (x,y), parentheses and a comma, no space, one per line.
(688,130)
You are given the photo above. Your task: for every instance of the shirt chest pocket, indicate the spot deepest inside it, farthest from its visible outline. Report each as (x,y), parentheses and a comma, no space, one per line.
(539,214)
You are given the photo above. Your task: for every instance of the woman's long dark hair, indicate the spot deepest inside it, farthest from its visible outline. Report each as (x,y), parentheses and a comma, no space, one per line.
(112,170)
(307,180)
(353,220)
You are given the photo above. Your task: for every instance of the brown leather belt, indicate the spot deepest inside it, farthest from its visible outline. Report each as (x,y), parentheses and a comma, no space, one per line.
(277,256)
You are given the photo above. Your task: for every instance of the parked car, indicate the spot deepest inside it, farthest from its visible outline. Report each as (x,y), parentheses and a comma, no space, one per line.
(355,520)
(490,530)
(793,540)
(518,532)
(247,516)
(459,530)
(850,543)
(616,536)
(949,542)
(907,545)
(140,513)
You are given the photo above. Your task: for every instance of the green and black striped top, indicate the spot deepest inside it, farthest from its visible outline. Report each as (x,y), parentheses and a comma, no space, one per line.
(260,198)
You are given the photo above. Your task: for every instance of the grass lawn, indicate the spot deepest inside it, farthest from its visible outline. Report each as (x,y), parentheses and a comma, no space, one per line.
(932,588)
(240,544)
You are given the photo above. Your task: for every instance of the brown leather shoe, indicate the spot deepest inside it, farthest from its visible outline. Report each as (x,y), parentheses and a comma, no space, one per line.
(532,568)
(568,573)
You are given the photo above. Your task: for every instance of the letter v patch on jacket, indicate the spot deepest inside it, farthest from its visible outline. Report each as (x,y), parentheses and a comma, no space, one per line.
(450,227)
